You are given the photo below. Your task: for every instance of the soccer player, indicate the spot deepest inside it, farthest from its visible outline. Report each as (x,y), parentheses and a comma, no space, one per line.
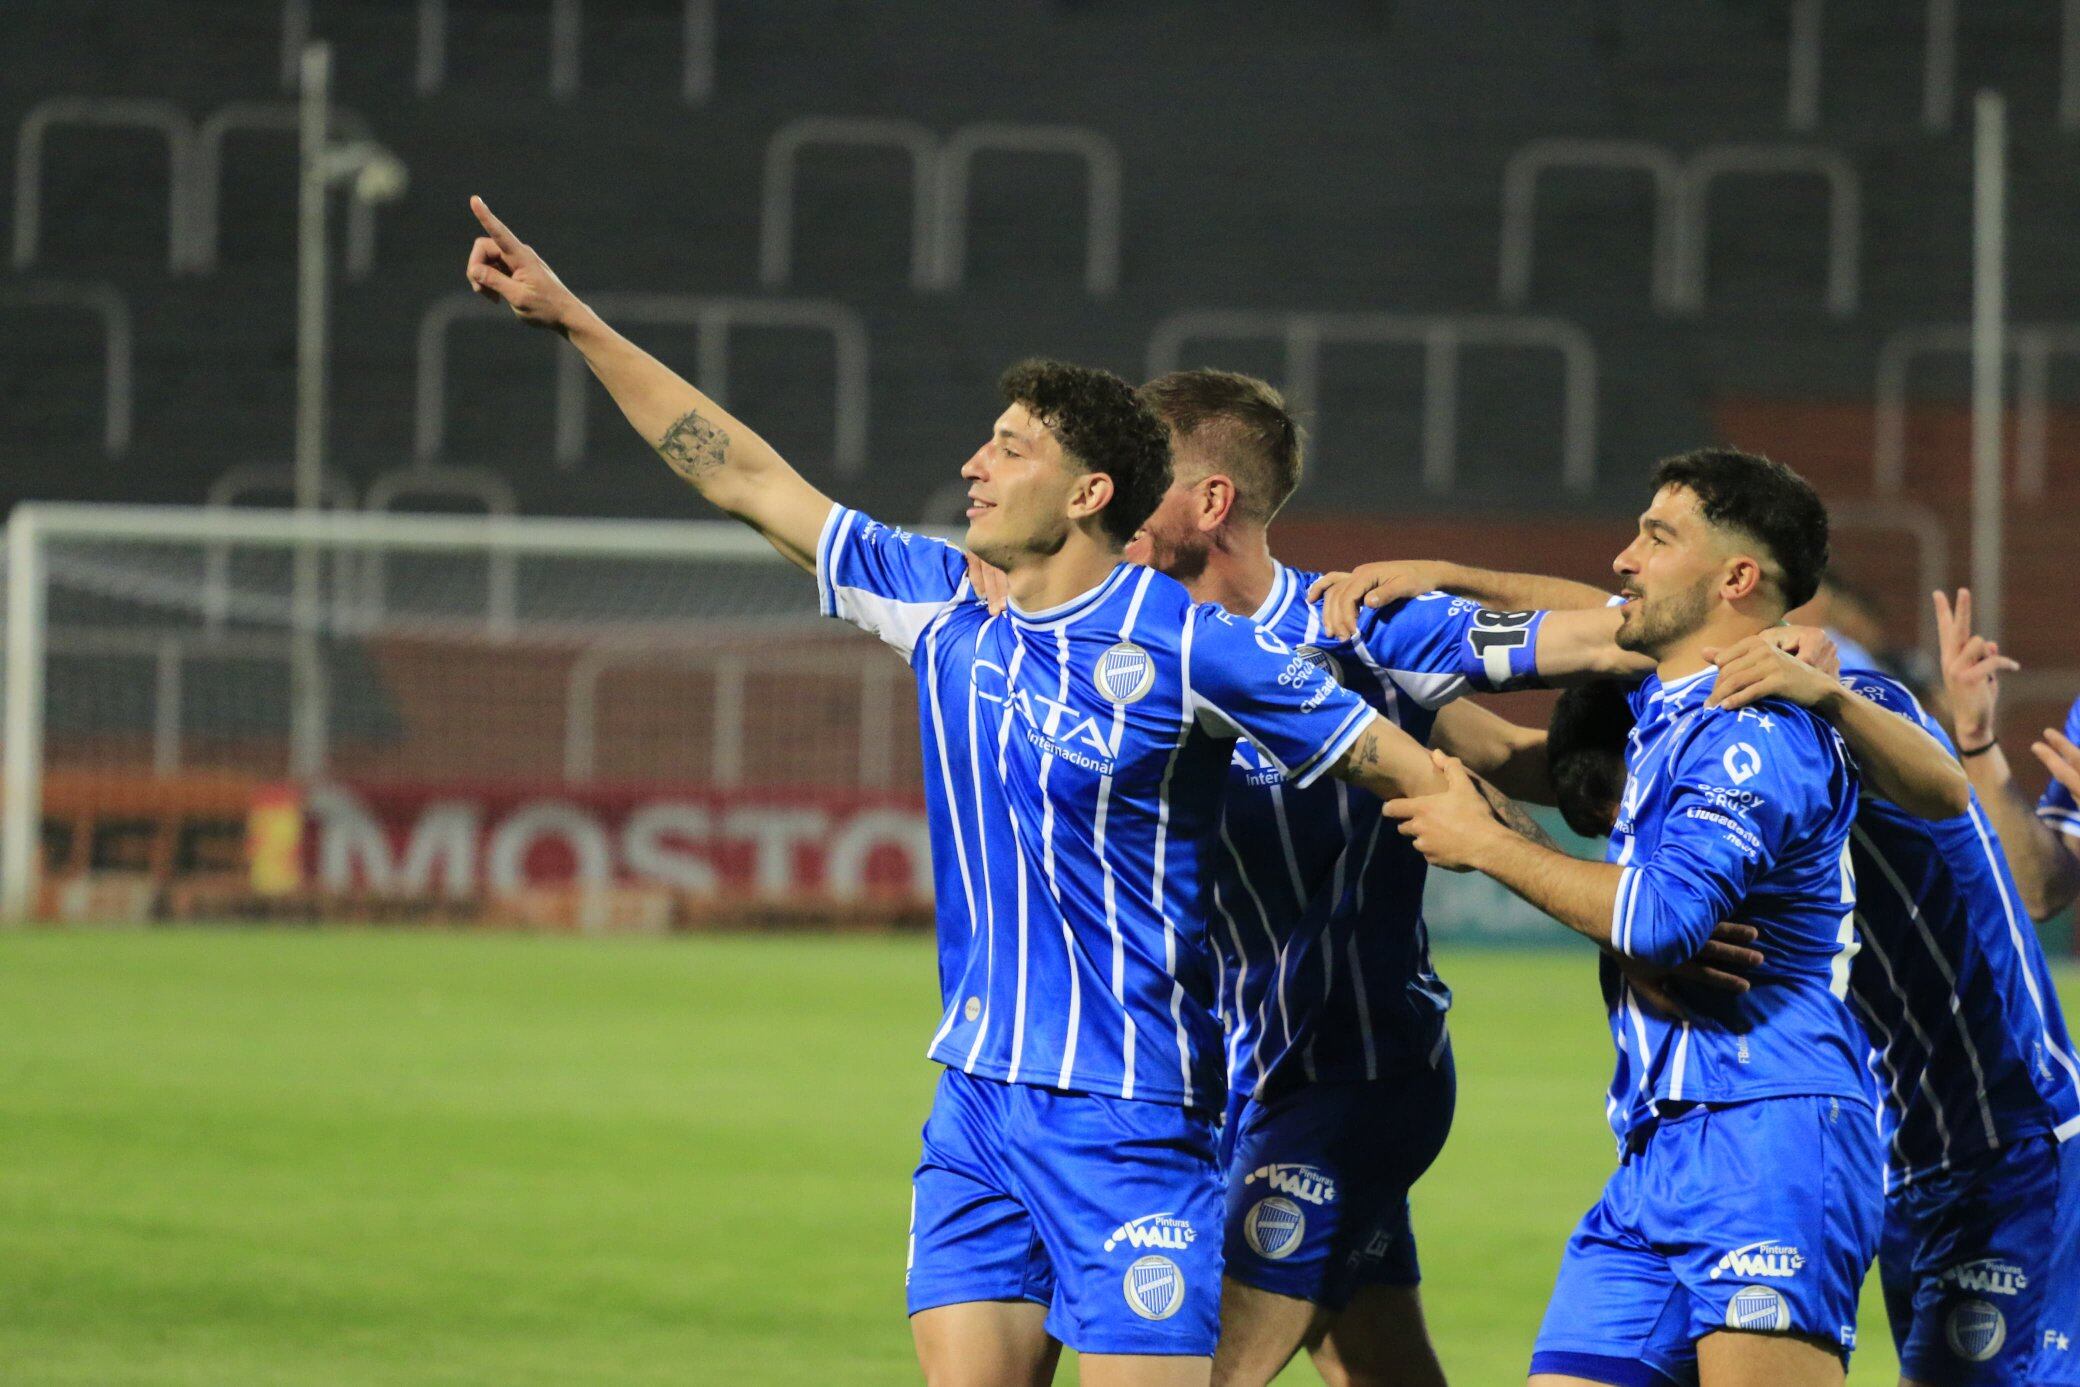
(2044,846)
(1340,1077)
(1974,1068)
(2044,849)
(1076,749)
(1732,1241)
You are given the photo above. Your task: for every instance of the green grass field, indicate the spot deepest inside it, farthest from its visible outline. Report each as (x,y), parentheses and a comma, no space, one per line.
(231,1158)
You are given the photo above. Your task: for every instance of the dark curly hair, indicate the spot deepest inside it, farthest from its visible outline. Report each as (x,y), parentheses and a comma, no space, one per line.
(1765,501)
(1585,754)
(1102,427)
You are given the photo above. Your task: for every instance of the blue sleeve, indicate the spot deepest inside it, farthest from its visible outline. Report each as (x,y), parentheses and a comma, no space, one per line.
(1741,791)
(1894,697)
(2057,807)
(889,583)
(1243,681)
(1437,647)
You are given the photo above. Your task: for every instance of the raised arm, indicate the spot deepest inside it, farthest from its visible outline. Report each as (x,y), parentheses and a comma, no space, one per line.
(1508,755)
(1900,761)
(724,459)
(2046,862)
(1396,580)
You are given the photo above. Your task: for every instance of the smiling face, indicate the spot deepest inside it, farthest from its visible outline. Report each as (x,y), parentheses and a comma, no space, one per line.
(1024,491)
(1670,573)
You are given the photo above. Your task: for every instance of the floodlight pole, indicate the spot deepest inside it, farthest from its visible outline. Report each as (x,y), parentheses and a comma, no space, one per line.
(1989,354)
(307,693)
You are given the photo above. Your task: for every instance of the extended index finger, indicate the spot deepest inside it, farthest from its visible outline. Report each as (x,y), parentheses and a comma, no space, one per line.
(507,241)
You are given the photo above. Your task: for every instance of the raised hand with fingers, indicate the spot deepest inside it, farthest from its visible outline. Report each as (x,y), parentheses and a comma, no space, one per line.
(2061,758)
(505,271)
(1972,669)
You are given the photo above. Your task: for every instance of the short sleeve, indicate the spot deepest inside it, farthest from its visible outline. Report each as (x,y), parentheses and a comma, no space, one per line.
(1739,793)
(2057,808)
(1241,680)
(1437,647)
(888,582)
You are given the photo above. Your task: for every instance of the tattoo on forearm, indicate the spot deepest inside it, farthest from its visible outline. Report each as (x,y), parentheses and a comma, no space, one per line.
(1513,816)
(693,446)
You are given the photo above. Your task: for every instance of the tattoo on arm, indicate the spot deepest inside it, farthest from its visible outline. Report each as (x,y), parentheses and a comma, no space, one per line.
(1512,815)
(693,446)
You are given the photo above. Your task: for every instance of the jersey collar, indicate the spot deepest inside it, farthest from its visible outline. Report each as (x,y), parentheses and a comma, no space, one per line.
(1282,584)
(1084,603)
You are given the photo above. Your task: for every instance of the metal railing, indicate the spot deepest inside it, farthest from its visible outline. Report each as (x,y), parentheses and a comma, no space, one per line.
(940,177)
(713,316)
(1441,338)
(118,346)
(2033,345)
(1682,195)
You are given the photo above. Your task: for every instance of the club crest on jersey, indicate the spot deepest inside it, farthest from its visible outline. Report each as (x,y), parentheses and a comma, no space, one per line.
(1154,1230)
(1987,1276)
(1321,660)
(1299,1181)
(1975,1330)
(1154,1287)
(1768,1259)
(1273,1227)
(1758,1307)
(1125,673)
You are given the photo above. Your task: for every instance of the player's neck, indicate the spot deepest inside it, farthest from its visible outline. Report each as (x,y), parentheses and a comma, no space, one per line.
(1722,629)
(1049,580)
(1239,571)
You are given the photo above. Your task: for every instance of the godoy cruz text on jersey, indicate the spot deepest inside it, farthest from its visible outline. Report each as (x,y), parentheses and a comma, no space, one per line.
(1734,815)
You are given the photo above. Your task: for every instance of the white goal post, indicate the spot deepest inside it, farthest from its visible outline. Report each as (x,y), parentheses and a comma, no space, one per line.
(148,643)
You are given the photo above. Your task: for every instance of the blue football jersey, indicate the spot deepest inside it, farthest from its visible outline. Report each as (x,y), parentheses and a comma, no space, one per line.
(1969,1050)
(1075,761)
(2057,807)
(1323,961)
(1734,815)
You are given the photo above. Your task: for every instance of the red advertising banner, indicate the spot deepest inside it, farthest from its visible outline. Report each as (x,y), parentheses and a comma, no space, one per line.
(460,841)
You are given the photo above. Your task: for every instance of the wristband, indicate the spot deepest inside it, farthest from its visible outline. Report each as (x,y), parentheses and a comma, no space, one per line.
(1991,743)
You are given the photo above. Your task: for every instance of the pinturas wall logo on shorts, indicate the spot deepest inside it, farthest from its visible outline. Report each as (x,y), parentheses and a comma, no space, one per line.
(1154,1288)
(1975,1329)
(1154,1230)
(1987,1276)
(1273,1227)
(1767,1260)
(1302,1182)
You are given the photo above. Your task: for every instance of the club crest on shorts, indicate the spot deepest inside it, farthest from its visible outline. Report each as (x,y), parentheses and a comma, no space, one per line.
(1154,1287)
(1273,1227)
(1975,1329)
(1758,1307)
(1125,673)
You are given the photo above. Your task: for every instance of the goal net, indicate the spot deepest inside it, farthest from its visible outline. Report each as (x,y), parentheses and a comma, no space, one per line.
(225,712)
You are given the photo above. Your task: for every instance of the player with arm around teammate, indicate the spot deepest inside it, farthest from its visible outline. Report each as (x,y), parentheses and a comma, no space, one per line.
(1973,1067)
(1731,1242)
(1076,748)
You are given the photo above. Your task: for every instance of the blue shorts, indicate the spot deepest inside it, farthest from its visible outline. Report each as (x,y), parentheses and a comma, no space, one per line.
(1966,1261)
(1105,1210)
(1760,1216)
(2058,1324)
(1318,1182)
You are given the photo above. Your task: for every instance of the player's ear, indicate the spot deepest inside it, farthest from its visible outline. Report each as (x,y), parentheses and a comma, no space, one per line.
(1216,501)
(1743,577)
(1089,494)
